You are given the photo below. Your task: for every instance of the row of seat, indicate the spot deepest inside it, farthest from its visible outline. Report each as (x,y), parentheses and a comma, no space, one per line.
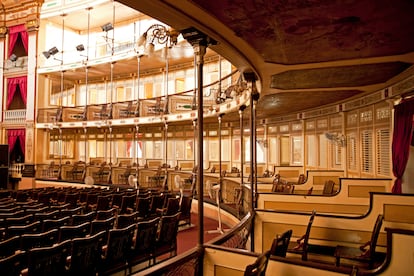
(102,252)
(366,254)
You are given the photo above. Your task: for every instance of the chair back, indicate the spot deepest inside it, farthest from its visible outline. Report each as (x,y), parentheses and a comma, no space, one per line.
(280,244)
(85,254)
(328,187)
(173,206)
(48,260)
(13,264)
(374,236)
(167,235)
(9,246)
(71,232)
(258,268)
(143,205)
(29,241)
(118,250)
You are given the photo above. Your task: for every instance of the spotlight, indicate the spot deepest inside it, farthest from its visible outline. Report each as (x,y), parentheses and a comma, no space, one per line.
(46,54)
(13,58)
(53,51)
(80,47)
(107,27)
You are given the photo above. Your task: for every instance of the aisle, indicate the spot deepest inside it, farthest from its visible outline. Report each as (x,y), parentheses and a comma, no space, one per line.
(188,238)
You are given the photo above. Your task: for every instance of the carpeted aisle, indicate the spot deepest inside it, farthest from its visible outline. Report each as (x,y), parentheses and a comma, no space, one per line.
(188,237)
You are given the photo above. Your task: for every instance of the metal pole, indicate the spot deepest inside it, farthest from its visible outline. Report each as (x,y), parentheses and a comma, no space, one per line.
(200,50)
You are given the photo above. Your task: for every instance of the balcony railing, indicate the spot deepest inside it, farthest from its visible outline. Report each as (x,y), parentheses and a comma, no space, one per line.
(17,116)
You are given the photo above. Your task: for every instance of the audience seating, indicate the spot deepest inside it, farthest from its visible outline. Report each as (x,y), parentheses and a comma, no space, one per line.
(302,243)
(258,268)
(34,227)
(124,220)
(142,206)
(365,253)
(82,218)
(280,244)
(328,187)
(118,250)
(13,264)
(43,239)
(167,236)
(102,225)
(70,232)
(173,206)
(49,224)
(9,246)
(86,254)
(48,260)
(127,203)
(185,211)
(144,241)
(105,214)
(60,220)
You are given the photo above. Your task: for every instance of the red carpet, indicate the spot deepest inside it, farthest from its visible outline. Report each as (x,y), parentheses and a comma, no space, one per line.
(188,238)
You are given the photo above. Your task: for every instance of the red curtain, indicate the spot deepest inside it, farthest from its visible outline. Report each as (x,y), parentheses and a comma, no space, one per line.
(14,33)
(12,85)
(13,135)
(403,131)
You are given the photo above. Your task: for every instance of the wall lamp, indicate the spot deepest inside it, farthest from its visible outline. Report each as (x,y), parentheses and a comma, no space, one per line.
(107,27)
(13,58)
(158,34)
(80,48)
(52,51)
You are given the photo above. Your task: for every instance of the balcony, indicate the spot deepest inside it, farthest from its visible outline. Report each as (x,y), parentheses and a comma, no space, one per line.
(16,116)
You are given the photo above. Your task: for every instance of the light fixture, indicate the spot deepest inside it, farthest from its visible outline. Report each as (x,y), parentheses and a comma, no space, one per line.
(107,27)
(336,138)
(160,34)
(13,58)
(80,48)
(51,52)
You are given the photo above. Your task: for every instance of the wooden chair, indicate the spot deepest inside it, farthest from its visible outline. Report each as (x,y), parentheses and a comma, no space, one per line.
(280,244)
(118,250)
(105,214)
(13,264)
(86,254)
(19,221)
(328,187)
(365,253)
(167,236)
(102,202)
(9,246)
(301,246)
(185,211)
(48,260)
(71,232)
(82,218)
(258,268)
(32,228)
(144,241)
(102,225)
(277,185)
(127,204)
(44,239)
(142,206)
(301,179)
(173,207)
(50,224)
(125,220)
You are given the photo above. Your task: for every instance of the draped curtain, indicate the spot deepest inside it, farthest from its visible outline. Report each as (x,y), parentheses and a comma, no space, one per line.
(14,33)
(13,135)
(403,131)
(12,86)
